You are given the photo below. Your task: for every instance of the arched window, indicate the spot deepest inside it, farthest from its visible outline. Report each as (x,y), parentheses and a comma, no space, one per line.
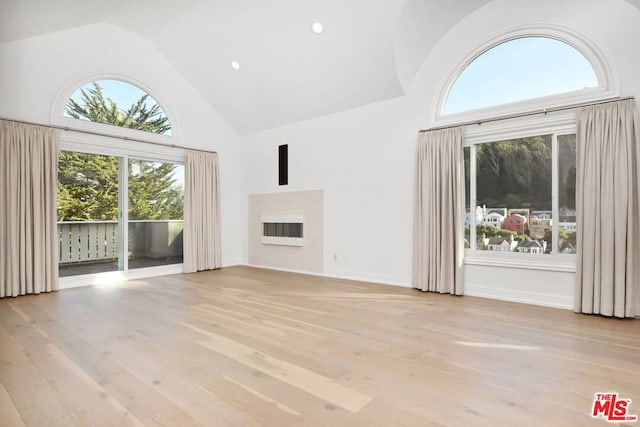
(520,69)
(520,166)
(117,103)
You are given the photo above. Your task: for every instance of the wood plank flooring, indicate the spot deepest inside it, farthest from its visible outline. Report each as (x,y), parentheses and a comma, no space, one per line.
(249,347)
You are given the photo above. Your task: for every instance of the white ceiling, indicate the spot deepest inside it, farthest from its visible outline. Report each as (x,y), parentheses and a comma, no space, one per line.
(370,50)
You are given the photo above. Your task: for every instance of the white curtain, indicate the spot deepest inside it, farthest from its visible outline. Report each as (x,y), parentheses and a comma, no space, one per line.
(28,188)
(201,212)
(438,235)
(608,221)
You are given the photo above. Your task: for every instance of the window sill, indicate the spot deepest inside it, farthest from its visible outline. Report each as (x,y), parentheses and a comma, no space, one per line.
(563,263)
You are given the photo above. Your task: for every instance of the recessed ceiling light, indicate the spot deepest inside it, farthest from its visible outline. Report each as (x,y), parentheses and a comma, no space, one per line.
(316,27)
(235,65)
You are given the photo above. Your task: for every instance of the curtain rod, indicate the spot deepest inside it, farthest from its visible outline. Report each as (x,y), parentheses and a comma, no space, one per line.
(530,113)
(90,132)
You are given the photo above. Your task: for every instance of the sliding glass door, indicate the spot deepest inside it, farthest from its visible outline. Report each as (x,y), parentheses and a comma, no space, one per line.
(103,199)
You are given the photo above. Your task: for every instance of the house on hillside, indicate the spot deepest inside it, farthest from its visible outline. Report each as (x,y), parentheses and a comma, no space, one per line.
(532,246)
(540,214)
(569,227)
(539,226)
(501,211)
(493,219)
(516,223)
(501,244)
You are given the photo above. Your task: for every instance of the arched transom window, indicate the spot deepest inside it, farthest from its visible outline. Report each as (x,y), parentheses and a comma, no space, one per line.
(520,69)
(118,103)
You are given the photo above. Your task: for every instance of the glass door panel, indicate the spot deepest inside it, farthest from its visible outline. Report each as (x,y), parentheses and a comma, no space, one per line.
(155,211)
(87,213)
(567,193)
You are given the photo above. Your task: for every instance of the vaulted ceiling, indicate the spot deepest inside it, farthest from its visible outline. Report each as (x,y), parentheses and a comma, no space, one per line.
(369,50)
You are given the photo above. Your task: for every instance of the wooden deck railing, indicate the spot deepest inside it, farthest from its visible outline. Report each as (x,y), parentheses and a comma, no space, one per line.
(87,241)
(97,240)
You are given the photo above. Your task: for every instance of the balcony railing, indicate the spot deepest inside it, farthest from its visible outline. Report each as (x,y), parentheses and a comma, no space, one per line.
(87,241)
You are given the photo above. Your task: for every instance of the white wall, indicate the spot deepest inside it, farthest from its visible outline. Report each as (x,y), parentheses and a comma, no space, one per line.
(548,288)
(364,158)
(36,72)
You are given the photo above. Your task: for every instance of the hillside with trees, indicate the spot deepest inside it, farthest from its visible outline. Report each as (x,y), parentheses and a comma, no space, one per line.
(515,173)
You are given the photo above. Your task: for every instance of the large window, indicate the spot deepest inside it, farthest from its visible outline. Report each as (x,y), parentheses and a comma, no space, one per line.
(520,173)
(511,186)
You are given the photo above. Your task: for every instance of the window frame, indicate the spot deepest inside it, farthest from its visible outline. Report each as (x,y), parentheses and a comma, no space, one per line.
(555,124)
(600,60)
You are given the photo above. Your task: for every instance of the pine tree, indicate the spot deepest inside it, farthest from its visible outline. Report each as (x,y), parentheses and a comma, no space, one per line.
(87,187)
(152,191)
(88,183)
(94,107)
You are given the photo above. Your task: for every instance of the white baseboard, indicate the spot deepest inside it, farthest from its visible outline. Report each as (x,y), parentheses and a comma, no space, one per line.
(346,275)
(515,295)
(287,270)
(511,295)
(470,289)
(370,277)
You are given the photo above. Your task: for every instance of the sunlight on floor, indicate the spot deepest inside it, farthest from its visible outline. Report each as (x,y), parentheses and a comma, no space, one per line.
(109,279)
(497,346)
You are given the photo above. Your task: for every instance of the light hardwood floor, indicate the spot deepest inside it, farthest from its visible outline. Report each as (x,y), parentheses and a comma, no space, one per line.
(246,347)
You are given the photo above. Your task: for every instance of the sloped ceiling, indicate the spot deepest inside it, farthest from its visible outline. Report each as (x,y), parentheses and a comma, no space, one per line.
(636,3)
(369,50)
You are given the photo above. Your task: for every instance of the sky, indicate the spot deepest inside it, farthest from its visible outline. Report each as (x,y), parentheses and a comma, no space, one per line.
(124,94)
(520,69)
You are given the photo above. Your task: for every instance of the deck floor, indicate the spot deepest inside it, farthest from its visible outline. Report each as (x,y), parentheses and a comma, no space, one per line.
(94,267)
